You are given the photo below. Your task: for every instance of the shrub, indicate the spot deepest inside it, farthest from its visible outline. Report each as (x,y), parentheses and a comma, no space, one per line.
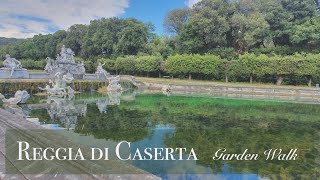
(126,65)
(148,64)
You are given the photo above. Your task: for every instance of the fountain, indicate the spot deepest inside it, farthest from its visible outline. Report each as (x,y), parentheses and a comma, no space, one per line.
(65,63)
(62,72)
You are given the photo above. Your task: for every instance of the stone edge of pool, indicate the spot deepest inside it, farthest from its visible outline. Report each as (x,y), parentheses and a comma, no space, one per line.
(11,121)
(233,89)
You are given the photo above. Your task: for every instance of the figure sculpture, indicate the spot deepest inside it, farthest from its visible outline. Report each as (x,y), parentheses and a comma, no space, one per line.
(66,55)
(100,70)
(81,68)
(20,97)
(66,79)
(12,64)
(166,90)
(59,85)
(50,65)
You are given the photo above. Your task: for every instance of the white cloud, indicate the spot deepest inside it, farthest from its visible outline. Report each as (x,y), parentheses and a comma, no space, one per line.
(24,18)
(190,3)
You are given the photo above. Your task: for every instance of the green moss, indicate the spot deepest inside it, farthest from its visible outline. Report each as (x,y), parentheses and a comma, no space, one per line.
(11,86)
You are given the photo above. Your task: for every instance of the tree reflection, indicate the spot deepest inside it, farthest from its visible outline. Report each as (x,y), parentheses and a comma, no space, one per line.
(207,124)
(117,124)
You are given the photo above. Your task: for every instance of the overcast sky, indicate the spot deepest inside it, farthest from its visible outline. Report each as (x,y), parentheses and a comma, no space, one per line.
(25,18)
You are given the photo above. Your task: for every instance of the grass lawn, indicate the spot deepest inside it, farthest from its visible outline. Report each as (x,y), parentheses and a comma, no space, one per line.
(213,83)
(35,70)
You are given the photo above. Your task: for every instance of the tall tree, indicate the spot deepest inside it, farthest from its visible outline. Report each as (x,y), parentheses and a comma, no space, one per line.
(282,15)
(306,32)
(175,20)
(208,26)
(101,37)
(132,38)
(54,43)
(249,31)
(40,42)
(75,37)
(160,45)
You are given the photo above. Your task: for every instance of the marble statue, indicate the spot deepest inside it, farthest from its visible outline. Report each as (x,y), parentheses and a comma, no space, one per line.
(11,64)
(59,86)
(64,63)
(114,84)
(70,92)
(81,68)
(166,90)
(66,79)
(23,95)
(100,70)
(66,55)
(20,97)
(50,65)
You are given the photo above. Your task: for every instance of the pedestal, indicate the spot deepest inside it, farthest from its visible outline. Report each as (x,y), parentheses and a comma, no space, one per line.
(17,74)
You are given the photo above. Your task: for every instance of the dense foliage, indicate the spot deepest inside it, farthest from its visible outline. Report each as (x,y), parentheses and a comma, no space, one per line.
(6,41)
(295,69)
(247,67)
(243,40)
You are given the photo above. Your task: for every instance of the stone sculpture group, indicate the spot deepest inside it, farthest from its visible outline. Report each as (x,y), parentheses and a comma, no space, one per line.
(63,69)
(61,72)
(64,63)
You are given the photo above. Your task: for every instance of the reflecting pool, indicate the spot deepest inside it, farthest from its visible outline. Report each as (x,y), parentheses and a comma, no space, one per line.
(203,123)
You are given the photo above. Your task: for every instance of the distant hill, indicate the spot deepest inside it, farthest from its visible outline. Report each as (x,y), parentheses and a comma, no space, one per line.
(4,41)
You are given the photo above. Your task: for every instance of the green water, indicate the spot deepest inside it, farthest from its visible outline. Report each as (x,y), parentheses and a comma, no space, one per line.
(203,123)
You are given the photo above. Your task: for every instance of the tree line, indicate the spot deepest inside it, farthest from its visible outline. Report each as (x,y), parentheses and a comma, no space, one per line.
(245,25)
(295,69)
(213,29)
(104,37)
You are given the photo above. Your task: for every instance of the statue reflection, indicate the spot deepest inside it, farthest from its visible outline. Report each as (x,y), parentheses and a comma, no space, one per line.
(102,105)
(114,99)
(65,111)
